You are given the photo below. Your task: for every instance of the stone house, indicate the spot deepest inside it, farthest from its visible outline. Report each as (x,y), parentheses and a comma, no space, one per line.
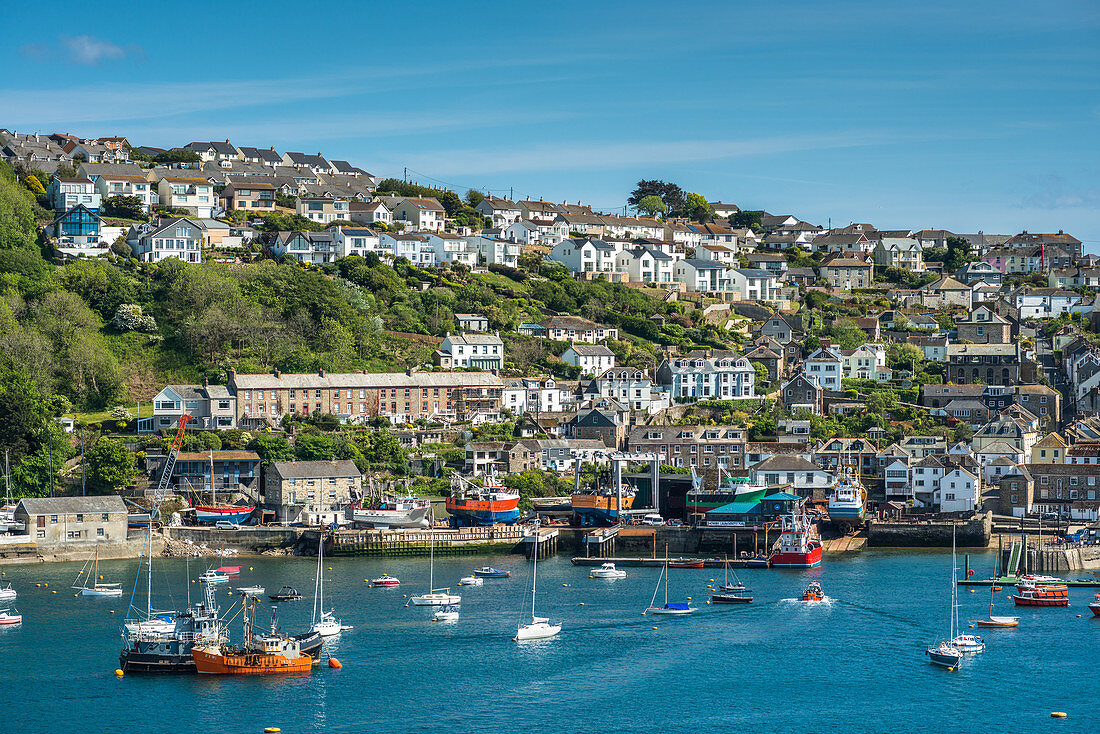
(56,523)
(311,492)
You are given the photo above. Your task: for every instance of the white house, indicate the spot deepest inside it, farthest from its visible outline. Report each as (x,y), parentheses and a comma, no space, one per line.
(542,395)
(593,359)
(369,212)
(827,365)
(959,491)
(753,284)
(718,253)
(65,193)
(866,362)
(178,237)
(493,251)
(307,247)
(705,375)
(423,213)
(322,209)
(126,184)
(355,241)
(451,248)
(471,351)
(645,265)
(502,211)
(703,276)
(630,387)
(412,246)
(585,255)
(193,193)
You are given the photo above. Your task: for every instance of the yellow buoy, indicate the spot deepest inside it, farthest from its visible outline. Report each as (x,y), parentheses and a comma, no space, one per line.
(54,591)
(118,672)
(971,591)
(48,584)
(272,730)
(711,580)
(1078,616)
(582,604)
(1057,714)
(654,628)
(689,598)
(250,568)
(100,577)
(112,611)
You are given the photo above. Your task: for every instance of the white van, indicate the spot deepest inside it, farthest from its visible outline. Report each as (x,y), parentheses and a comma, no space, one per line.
(653,520)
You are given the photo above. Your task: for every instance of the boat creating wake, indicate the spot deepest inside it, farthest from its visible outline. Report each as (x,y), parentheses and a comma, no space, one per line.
(826,601)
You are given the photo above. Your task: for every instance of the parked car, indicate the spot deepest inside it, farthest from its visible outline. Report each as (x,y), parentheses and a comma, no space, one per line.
(226,525)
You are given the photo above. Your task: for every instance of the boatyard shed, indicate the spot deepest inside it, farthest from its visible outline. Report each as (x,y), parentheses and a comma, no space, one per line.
(753,511)
(311,492)
(72,521)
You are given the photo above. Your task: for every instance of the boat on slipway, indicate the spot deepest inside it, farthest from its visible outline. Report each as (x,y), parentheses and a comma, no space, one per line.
(391,512)
(489,504)
(601,506)
(848,500)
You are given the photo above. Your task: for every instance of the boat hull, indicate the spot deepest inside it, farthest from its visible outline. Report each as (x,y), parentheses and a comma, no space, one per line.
(730,599)
(132,661)
(101,592)
(435,600)
(687,564)
(540,631)
(943,659)
(597,509)
(1033,601)
(671,612)
(1095,608)
(417,517)
(214,663)
(470,512)
(797,559)
(211,514)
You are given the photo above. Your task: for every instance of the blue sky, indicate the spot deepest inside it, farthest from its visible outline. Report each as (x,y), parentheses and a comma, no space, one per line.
(962,116)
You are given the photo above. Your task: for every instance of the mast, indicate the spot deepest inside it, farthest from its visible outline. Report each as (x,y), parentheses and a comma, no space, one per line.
(535,570)
(318,586)
(213,493)
(431,559)
(954,587)
(666,575)
(149,575)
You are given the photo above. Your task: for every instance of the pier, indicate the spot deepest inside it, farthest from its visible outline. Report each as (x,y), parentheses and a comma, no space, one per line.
(541,543)
(600,542)
(391,543)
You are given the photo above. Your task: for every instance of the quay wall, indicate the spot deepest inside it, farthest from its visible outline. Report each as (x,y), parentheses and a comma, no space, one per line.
(1056,561)
(31,552)
(974,533)
(246,539)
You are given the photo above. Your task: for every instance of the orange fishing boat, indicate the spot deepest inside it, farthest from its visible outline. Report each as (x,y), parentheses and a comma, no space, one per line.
(813,592)
(262,653)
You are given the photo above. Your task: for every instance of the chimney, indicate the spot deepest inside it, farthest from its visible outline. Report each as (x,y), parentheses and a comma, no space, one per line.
(276,373)
(227,141)
(320,373)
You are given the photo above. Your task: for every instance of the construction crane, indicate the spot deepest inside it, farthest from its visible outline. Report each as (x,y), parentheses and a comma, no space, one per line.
(169,465)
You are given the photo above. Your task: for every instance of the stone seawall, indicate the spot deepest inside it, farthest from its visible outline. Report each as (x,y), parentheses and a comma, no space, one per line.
(245,540)
(1057,561)
(31,552)
(974,533)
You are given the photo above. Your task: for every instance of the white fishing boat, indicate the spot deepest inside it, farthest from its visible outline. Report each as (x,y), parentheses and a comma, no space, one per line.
(213,577)
(471,581)
(607,571)
(539,628)
(328,625)
(392,512)
(158,624)
(447,613)
(434,597)
(7,593)
(945,654)
(251,590)
(670,608)
(10,616)
(91,586)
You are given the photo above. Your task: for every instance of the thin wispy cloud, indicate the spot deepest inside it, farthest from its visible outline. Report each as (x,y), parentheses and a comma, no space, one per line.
(83,50)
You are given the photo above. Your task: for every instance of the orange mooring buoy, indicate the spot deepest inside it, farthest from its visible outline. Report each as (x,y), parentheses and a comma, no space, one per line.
(334,663)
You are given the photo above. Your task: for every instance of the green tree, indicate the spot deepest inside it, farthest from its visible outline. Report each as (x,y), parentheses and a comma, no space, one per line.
(271,447)
(748,220)
(451,202)
(473,198)
(762,374)
(671,194)
(696,207)
(958,254)
(126,207)
(904,356)
(17,223)
(109,466)
(315,447)
(652,205)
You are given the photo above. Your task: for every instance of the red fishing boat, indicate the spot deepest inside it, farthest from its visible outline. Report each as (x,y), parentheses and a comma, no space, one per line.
(1094,605)
(1041,594)
(471,505)
(799,546)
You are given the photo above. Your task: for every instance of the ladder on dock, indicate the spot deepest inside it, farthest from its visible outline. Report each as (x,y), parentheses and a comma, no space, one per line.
(1013,567)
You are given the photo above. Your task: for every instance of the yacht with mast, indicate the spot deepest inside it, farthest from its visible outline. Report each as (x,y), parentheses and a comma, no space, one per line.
(434,597)
(946,654)
(328,625)
(91,586)
(672,608)
(539,628)
(213,511)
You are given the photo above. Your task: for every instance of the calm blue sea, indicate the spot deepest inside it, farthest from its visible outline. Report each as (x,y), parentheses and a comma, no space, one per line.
(854,664)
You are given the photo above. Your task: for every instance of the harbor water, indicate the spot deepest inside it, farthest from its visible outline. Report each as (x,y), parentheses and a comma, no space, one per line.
(853,663)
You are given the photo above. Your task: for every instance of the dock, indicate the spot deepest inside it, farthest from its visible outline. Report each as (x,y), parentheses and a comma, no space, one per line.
(391,543)
(601,542)
(658,562)
(541,543)
(846,543)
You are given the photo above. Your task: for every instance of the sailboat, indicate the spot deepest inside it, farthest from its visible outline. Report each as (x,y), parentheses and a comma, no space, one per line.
(95,588)
(539,627)
(434,597)
(992,621)
(945,654)
(736,593)
(329,625)
(676,607)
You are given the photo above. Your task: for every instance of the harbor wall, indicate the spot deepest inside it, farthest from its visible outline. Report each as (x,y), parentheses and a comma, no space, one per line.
(31,552)
(935,533)
(1056,561)
(246,539)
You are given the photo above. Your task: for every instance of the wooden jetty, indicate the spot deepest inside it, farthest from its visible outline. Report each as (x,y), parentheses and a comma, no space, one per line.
(543,542)
(498,538)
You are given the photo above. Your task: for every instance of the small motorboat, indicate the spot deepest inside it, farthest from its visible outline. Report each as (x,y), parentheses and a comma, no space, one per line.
(385,580)
(436,598)
(250,590)
(160,624)
(607,571)
(488,572)
(471,581)
(213,577)
(10,616)
(446,613)
(687,563)
(944,655)
(1094,605)
(737,598)
(738,588)
(967,643)
(7,593)
(287,593)
(813,592)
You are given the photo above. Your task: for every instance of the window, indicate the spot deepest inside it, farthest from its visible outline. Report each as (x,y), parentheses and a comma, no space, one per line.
(53,518)
(40,534)
(99,532)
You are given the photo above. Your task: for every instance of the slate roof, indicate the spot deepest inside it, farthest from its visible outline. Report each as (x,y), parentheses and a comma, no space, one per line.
(315,469)
(71,505)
